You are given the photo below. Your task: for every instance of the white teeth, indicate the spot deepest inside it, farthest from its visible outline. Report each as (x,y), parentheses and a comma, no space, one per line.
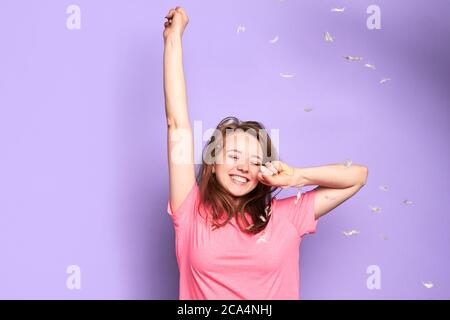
(239,179)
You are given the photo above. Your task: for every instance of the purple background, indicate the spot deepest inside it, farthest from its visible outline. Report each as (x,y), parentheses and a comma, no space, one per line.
(83,166)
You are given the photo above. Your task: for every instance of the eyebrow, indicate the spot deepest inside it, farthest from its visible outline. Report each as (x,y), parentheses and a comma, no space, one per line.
(240,152)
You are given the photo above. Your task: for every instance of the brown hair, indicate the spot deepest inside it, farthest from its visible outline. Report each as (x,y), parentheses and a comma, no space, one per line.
(213,196)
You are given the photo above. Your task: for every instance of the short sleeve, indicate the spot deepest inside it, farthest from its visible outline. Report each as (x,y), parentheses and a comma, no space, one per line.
(300,213)
(186,209)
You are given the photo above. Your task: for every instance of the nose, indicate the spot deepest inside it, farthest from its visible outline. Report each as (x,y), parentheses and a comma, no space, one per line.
(243,167)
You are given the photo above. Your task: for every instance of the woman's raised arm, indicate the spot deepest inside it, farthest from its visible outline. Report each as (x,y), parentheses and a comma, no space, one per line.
(180,146)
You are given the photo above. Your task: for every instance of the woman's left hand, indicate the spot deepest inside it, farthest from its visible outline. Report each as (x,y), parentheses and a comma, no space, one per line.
(279,174)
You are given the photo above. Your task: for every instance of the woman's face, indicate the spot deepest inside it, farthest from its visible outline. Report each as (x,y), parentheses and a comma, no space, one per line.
(239,163)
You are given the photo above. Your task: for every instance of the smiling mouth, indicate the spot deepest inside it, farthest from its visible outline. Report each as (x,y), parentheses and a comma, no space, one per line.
(239,180)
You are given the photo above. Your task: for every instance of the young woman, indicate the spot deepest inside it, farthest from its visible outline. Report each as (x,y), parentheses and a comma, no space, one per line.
(234,239)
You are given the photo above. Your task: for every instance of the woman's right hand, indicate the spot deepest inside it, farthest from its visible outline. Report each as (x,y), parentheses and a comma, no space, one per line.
(177,20)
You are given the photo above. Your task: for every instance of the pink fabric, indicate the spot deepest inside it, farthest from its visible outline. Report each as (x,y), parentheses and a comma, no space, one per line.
(226,263)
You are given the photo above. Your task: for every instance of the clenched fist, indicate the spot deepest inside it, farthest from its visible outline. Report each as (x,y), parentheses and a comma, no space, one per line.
(280,174)
(177,20)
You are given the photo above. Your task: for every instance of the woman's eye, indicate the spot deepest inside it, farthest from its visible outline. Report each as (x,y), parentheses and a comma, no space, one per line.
(234,157)
(256,164)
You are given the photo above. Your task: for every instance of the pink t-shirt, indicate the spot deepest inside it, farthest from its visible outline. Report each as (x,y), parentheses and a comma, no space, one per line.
(225,263)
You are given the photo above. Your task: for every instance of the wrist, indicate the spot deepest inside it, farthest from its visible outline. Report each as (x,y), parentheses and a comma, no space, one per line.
(172,38)
(298,178)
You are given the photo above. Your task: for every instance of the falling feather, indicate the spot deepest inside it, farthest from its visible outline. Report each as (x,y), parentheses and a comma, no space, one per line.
(328,37)
(338,9)
(284,75)
(240,29)
(299,193)
(261,239)
(347,162)
(383,188)
(350,233)
(385,80)
(262,218)
(428,284)
(371,66)
(274,40)
(307,109)
(375,209)
(353,58)
(407,202)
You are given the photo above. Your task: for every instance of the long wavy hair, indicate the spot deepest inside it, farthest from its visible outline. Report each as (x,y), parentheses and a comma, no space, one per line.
(215,199)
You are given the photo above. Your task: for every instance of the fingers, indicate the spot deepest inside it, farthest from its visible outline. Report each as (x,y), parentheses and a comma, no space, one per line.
(263,178)
(282,167)
(278,165)
(269,165)
(267,177)
(169,18)
(170,14)
(268,169)
(265,171)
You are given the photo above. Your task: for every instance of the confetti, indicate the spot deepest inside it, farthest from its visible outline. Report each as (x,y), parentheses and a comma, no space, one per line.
(274,40)
(347,162)
(338,9)
(240,29)
(328,37)
(428,284)
(284,75)
(407,202)
(262,218)
(268,211)
(350,233)
(375,209)
(385,80)
(371,66)
(307,109)
(353,58)
(383,188)
(249,227)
